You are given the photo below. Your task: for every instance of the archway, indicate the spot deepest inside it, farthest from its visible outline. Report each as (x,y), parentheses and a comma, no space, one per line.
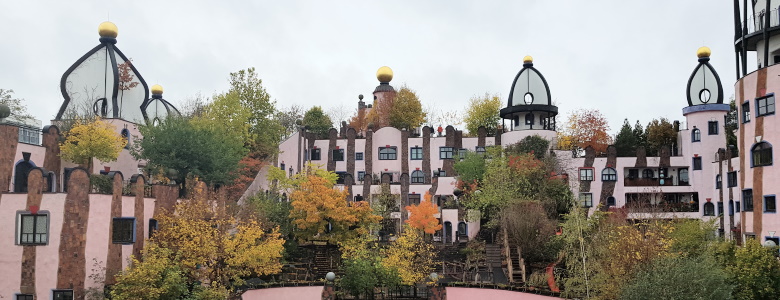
(21,171)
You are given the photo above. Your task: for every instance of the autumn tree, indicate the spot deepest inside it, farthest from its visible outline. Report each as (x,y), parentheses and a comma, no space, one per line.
(660,133)
(585,127)
(411,256)
(18,108)
(157,276)
(423,215)
(88,140)
(483,112)
(626,142)
(359,120)
(317,122)
(319,211)
(533,144)
(670,278)
(209,152)
(406,111)
(531,234)
(756,271)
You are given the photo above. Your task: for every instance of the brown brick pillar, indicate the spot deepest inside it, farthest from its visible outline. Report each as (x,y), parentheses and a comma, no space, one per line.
(449,141)
(404,151)
(404,197)
(426,167)
(114,257)
(437,292)
(329,292)
(52,160)
(590,157)
(35,185)
(164,199)
(641,157)
(481,136)
(138,182)
(608,187)
(498,137)
(758,173)
(351,151)
(72,268)
(9,139)
(332,135)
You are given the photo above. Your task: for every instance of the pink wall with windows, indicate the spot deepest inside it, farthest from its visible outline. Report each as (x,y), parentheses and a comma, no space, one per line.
(10,253)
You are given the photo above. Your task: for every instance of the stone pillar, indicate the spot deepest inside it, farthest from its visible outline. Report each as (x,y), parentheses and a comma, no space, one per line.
(590,157)
(641,157)
(426,167)
(9,139)
(35,185)
(138,182)
(328,292)
(72,268)
(351,151)
(437,292)
(404,197)
(369,152)
(608,187)
(405,151)
(52,160)
(332,136)
(114,257)
(448,164)
(481,136)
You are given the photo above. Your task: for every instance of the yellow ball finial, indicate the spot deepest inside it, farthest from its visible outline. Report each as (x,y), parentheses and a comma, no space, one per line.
(703,52)
(528,59)
(384,74)
(157,89)
(108,29)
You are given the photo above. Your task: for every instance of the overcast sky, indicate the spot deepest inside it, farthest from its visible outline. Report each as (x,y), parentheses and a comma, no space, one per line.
(629,59)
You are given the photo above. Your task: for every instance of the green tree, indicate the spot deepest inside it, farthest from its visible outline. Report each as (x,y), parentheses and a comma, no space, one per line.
(211,153)
(471,169)
(680,278)
(639,133)
(731,126)
(157,276)
(17,106)
(483,111)
(317,122)
(756,272)
(407,111)
(533,144)
(87,140)
(660,133)
(626,141)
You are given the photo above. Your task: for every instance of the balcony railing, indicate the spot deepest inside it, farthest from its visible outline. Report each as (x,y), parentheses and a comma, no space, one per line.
(654,182)
(756,22)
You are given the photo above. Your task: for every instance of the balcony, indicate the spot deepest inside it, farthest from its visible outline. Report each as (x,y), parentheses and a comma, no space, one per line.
(654,182)
(755,27)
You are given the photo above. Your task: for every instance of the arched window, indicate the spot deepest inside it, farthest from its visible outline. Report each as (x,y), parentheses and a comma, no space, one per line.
(418,176)
(126,137)
(529,119)
(608,174)
(761,154)
(695,135)
(718,181)
(647,173)
(709,209)
(463,229)
(610,201)
(388,153)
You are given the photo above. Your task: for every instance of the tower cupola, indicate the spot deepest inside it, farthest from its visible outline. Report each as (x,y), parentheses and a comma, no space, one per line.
(704,85)
(530,104)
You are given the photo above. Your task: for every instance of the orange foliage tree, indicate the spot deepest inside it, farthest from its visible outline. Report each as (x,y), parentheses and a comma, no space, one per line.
(321,212)
(585,127)
(423,215)
(360,120)
(250,166)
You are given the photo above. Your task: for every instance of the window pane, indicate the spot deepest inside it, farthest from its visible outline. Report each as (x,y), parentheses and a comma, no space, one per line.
(28,224)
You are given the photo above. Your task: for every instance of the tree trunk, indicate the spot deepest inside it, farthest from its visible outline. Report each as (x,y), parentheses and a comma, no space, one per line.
(508,252)
(522,263)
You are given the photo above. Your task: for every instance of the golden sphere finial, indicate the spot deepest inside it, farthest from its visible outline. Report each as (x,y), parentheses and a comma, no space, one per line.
(157,89)
(108,29)
(703,52)
(384,74)
(528,59)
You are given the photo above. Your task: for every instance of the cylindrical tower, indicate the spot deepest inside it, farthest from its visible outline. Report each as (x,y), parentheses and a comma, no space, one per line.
(529,109)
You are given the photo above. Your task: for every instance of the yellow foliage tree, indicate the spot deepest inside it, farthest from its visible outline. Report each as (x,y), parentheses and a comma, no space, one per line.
(321,212)
(411,257)
(422,216)
(483,111)
(156,277)
(88,140)
(585,128)
(407,111)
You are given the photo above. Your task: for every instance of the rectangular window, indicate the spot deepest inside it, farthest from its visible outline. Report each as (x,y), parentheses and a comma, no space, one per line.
(358,155)
(745,112)
(737,206)
(633,173)
(462,153)
(29,136)
(282,166)
(445,152)
(315,154)
(713,127)
(62,294)
(732,177)
(388,153)
(697,163)
(414,199)
(765,105)
(33,229)
(416,153)
(747,199)
(361,174)
(152,227)
(341,178)
(586,199)
(480,150)
(718,182)
(586,174)
(123,231)
(24,297)
(338,155)
(770,205)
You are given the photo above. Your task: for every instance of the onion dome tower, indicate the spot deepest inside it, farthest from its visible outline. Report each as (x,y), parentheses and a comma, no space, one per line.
(104,82)
(157,109)
(704,84)
(530,104)
(384,75)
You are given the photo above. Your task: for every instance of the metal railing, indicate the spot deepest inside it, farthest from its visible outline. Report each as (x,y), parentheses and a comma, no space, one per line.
(756,22)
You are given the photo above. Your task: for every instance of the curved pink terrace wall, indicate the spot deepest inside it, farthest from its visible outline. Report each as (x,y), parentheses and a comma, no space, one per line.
(457,293)
(298,292)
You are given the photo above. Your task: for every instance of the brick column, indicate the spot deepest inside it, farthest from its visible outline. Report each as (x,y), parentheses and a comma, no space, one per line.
(9,139)
(114,256)
(72,269)
(35,185)
(138,182)
(52,160)
(481,136)
(426,167)
(608,187)
(332,135)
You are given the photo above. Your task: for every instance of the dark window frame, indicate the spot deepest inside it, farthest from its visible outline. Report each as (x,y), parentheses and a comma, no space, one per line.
(35,234)
(747,200)
(153,226)
(767,208)
(588,175)
(417,176)
(648,173)
(765,105)
(746,112)
(606,175)
(709,209)
(361,175)
(761,157)
(388,155)
(23,297)
(338,154)
(712,127)
(633,173)
(732,178)
(611,201)
(316,154)
(446,152)
(586,199)
(414,199)
(358,155)
(62,294)
(695,135)
(718,181)
(480,150)
(696,163)
(416,153)
(122,237)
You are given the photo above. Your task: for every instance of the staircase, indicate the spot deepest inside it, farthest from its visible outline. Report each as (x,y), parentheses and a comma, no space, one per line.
(321,263)
(517,275)
(494,262)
